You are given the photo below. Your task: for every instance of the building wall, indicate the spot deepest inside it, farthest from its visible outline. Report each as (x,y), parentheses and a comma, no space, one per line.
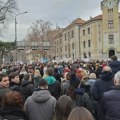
(99,36)
(94,35)
(115,30)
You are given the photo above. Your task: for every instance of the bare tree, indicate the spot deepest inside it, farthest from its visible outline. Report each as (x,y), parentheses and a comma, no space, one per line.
(7,9)
(40,31)
(40,28)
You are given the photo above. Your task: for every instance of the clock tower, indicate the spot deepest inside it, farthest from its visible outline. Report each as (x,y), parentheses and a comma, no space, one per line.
(111,28)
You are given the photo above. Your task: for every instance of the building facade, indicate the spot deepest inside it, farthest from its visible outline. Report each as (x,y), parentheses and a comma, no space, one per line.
(97,39)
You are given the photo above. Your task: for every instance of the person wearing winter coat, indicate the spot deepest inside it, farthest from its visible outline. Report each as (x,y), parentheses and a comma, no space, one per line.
(40,105)
(111,100)
(12,107)
(114,64)
(78,95)
(27,86)
(15,82)
(54,85)
(103,84)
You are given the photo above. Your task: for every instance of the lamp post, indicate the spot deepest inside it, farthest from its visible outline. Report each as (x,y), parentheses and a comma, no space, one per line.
(16,33)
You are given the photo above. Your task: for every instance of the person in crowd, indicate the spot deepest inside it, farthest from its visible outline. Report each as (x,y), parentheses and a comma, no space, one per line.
(63,108)
(54,85)
(41,69)
(67,69)
(79,97)
(57,74)
(23,70)
(83,76)
(40,105)
(91,81)
(65,83)
(15,82)
(80,113)
(27,86)
(103,84)
(4,85)
(111,100)
(12,107)
(4,81)
(114,64)
(36,78)
(98,69)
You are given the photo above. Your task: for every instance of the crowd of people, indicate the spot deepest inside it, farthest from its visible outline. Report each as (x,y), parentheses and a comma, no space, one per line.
(60,91)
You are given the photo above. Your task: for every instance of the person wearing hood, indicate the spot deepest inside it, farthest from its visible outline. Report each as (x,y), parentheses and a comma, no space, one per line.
(40,105)
(78,95)
(27,86)
(111,100)
(53,85)
(103,84)
(114,64)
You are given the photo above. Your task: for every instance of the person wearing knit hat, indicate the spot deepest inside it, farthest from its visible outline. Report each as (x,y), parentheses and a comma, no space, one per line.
(77,93)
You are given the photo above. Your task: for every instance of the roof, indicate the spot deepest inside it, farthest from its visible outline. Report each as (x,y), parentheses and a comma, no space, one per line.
(98,17)
(78,21)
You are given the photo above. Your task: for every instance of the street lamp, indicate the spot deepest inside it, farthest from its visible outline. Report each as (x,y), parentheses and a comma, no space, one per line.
(16,33)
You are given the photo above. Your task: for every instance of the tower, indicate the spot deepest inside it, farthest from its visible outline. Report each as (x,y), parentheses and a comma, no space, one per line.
(111,28)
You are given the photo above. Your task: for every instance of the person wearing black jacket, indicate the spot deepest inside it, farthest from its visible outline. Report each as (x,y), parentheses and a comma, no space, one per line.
(27,86)
(15,82)
(103,84)
(12,107)
(111,101)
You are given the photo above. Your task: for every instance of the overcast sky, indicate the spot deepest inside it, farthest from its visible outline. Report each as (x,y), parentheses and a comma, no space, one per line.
(61,12)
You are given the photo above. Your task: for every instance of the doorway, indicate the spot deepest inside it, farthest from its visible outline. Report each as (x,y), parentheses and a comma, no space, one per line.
(111,53)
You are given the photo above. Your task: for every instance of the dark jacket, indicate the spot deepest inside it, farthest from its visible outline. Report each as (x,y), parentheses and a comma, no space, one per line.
(83,100)
(111,104)
(102,85)
(80,98)
(27,88)
(17,87)
(3,91)
(115,66)
(53,86)
(12,113)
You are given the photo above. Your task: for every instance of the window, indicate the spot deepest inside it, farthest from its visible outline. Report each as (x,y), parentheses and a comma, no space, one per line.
(88,30)
(83,32)
(65,47)
(83,44)
(89,54)
(73,46)
(110,10)
(110,24)
(65,36)
(60,49)
(111,39)
(72,34)
(89,43)
(85,56)
(68,35)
